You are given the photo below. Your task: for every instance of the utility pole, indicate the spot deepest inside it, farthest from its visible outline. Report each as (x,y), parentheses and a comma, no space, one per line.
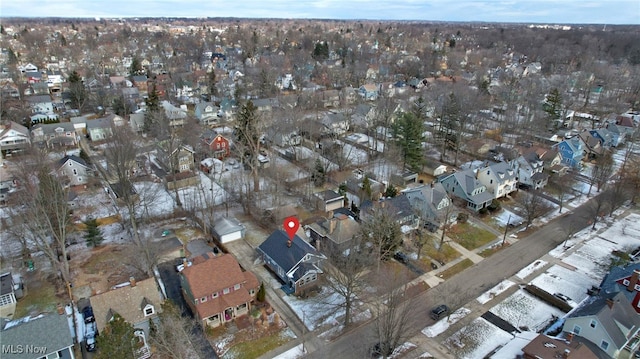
(506,227)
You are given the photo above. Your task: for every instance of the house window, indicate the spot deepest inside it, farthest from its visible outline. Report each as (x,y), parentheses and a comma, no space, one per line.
(148,310)
(196,301)
(252,292)
(203,299)
(313,277)
(236,287)
(225,291)
(604,345)
(215,295)
(593,323)
(576,329)
(75,172)
(6,300)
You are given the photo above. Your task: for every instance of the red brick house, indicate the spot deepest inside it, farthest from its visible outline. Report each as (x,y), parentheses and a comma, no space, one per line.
(216,289)
(218,145)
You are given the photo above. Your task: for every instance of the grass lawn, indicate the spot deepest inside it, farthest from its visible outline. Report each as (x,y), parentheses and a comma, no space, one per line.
(491,250)
(446,254)
(257,347)
(456,269)
(40,297)
(469,236)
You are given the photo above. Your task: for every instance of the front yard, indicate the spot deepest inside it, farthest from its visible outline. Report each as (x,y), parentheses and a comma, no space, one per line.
(470,236)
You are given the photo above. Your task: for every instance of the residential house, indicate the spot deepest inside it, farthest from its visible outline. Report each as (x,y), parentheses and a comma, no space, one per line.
(55,134)
(434,168)
(28,68)
(265,104)
(551,159)
(138,303)
(398,208)
(329,200)
(336,124)
(604,136)
(330,98)
(530,170)
(74,170)
(333,234)
(499,178)
(608,321)
(43,336)
(624,280)
(283,137)
(40,104)
(102,128)
(34,77)
(140,82)
(217,290)
(430,202)
(591,144)
(369,91)
(37,89)
(572,152)
(465,185)
(13,137)
(546,347)
(618,134)
(627,123)
(217,145)
(136,121)
(349,95)
(212,165)
(10,90)
(363,116)
(207,113)
(10,291)
(43,118)
(117,82)
(177,158)
(175,115)
(296,262)
(227,229)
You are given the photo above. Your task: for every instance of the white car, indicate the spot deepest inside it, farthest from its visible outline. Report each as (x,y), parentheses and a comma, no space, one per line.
(181,266)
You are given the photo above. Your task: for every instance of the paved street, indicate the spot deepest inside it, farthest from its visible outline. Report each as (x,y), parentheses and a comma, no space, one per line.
(465,287)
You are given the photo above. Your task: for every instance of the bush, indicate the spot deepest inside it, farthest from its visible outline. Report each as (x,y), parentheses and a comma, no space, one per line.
(261,293)
(494,206)
(462,217)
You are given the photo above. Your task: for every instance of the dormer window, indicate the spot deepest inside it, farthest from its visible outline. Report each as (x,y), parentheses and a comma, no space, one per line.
(236,287)
(149,310)
(225,291)
(203,299)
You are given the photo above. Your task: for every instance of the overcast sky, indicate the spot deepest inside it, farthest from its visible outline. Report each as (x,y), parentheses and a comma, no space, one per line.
(523,11)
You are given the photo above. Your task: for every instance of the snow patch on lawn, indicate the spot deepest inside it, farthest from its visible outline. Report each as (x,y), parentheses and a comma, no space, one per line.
(493,292)
(476,339)
(522,309)
(444,324)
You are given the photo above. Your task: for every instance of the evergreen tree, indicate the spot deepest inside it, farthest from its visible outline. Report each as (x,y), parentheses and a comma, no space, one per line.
(116,340)
(76,90)
(553,108)
(136,67)
(12,59)
(366,188)
(391,191)
(213,90)
(408,135)
(321,51)
(318,176)
(153,106)
(93,234)
(262,293)
(449,123)
(83,154)
(248,140)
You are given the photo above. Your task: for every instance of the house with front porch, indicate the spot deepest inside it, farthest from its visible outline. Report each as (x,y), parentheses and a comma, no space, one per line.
(430,203)
(369,91)
(499,178)
(334,234)
(618,133)
(465,186)
(530,170)
(217,290)
(293,260)
(55,134)
(14,137)
(207,113)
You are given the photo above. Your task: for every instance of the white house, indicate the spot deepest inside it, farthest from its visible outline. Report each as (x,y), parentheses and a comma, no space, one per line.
(14,136)
(499,178)
(74,169)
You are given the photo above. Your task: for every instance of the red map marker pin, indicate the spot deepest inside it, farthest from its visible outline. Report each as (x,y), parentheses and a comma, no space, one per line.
(291,225)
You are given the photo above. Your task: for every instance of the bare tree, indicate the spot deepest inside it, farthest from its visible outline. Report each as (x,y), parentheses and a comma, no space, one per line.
(346,276)
(533,206)
(602,171)
(44,213)
(563,186)
(173,336)
(381,230)
(597,207)
(393,315)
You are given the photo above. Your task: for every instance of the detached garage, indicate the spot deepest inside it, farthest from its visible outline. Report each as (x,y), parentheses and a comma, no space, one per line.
(225,230)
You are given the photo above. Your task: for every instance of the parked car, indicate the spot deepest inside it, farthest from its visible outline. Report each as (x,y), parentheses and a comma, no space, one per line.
(87,314)
(439,312)
(181,264)
(90,333)
(401,257)
(562,297)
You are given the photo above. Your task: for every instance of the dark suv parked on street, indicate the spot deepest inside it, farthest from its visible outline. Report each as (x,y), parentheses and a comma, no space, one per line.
(439,312)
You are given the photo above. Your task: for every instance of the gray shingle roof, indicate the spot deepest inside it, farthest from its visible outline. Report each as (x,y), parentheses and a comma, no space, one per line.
(50,332)
(275,246)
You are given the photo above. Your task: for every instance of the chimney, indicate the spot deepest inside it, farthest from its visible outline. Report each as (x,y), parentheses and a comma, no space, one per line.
(633,280)
(569,337)
(60,309)
(610,303)
(132,281)
(289,243)
(566,353)
(332,224)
